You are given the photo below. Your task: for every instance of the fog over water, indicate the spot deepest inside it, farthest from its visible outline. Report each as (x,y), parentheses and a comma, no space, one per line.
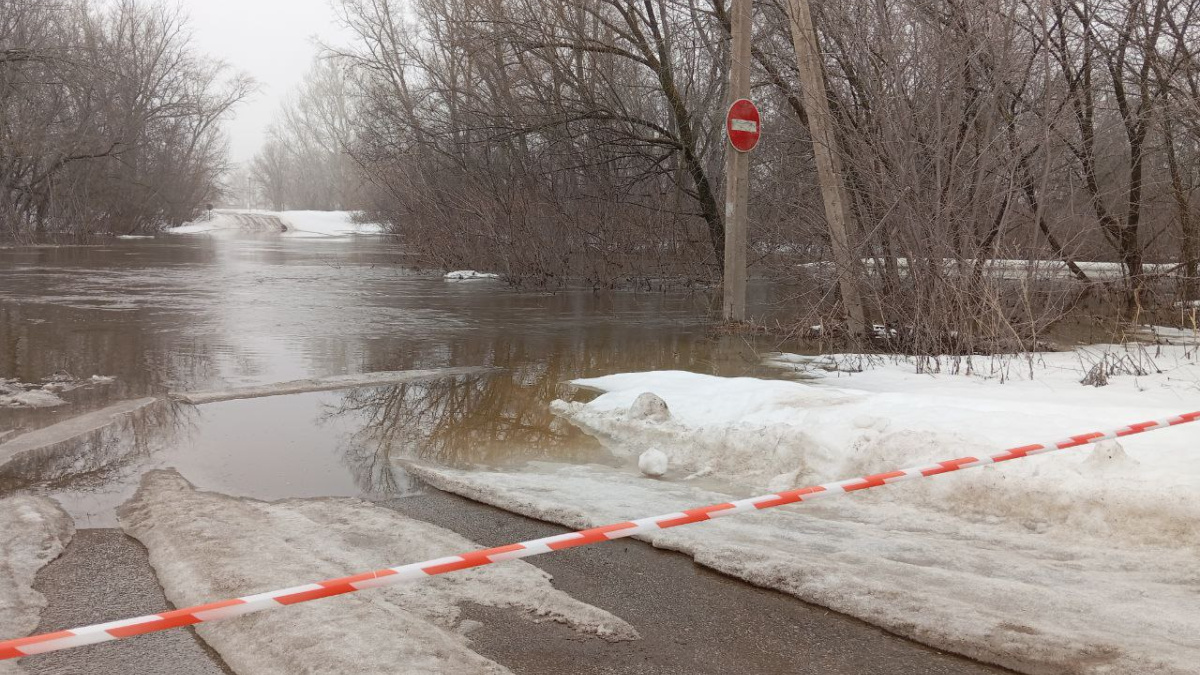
(273,41)
(181,314)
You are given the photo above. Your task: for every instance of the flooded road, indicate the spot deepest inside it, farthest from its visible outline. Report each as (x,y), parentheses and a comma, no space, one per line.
(200,313)
(204,314)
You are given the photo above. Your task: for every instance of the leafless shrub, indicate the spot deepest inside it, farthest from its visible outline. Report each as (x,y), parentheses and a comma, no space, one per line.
(109,121)
(1004,159)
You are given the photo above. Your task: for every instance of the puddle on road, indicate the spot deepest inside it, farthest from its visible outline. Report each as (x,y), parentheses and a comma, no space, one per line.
(190,314)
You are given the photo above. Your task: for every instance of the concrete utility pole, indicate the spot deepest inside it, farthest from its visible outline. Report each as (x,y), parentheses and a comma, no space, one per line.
(829,162)
(737,170)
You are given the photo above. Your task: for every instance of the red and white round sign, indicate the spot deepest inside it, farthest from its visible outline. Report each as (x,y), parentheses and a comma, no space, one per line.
(743,125)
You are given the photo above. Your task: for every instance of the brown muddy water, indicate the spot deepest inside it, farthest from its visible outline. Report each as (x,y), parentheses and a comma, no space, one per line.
(201,313)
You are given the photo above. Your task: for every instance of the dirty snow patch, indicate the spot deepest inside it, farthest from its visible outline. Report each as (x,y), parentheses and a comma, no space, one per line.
(206,546)
(743,427)
(1019,593)
(467,275)
(760,434)
(17,394)
(33,531)
(1082,561)
(33,398)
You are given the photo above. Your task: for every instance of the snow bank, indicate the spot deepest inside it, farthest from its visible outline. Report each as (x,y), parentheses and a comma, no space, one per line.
(986,588)
(196,227)
(778,434)
(325,224)
(206,546)
(1077,562)
(740,427)
(1012,268)
(468,275)
(293,224)
(33,531)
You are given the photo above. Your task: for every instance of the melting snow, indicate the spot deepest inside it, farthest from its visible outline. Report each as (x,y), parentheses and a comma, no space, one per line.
(299,224)
(467,275)
(33,531)
(206,546)
(325,224)
(1084,561)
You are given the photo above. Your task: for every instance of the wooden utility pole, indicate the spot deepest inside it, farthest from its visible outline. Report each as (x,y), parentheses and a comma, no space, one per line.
(737,170)
(829,162)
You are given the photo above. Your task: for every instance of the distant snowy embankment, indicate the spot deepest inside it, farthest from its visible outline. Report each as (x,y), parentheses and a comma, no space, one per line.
(292,224)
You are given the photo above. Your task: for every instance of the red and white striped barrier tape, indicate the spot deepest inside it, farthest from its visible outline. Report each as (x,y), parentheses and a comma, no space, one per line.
(227,609)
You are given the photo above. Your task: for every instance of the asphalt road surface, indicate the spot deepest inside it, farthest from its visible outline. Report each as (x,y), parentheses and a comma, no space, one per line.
(692,620)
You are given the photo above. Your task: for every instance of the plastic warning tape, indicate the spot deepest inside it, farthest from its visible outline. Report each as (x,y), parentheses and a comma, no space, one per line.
(227,609)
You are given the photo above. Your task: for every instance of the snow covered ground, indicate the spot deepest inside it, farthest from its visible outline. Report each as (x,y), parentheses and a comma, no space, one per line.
(469,275)
(1085,561)
(299,224)
(33,531)
(325,224)
(206,546)
(1008,268)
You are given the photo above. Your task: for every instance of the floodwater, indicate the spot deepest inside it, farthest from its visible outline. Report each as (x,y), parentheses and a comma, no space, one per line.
(201,313)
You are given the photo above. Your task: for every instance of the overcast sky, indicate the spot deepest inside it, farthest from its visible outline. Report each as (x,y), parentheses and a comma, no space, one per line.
(274,41)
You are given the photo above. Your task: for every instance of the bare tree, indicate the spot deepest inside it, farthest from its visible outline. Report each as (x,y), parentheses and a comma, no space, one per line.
(305,162)
(989,147)
(108,119)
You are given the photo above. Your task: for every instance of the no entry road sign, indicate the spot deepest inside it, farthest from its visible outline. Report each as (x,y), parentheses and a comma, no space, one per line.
(742,124)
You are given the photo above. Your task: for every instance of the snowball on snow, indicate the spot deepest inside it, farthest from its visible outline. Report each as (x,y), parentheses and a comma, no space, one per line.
(653,462)
(649,406)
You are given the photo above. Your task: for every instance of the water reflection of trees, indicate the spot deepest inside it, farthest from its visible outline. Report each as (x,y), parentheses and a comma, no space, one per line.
(130,313)
(102,455)
(462,421)
(503,418)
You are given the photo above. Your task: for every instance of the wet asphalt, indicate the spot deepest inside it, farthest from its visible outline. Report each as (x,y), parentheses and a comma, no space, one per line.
(105,575)
(692,620)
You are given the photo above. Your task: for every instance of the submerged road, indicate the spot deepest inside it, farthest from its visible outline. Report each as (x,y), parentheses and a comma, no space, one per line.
(691,620)
(216,314)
